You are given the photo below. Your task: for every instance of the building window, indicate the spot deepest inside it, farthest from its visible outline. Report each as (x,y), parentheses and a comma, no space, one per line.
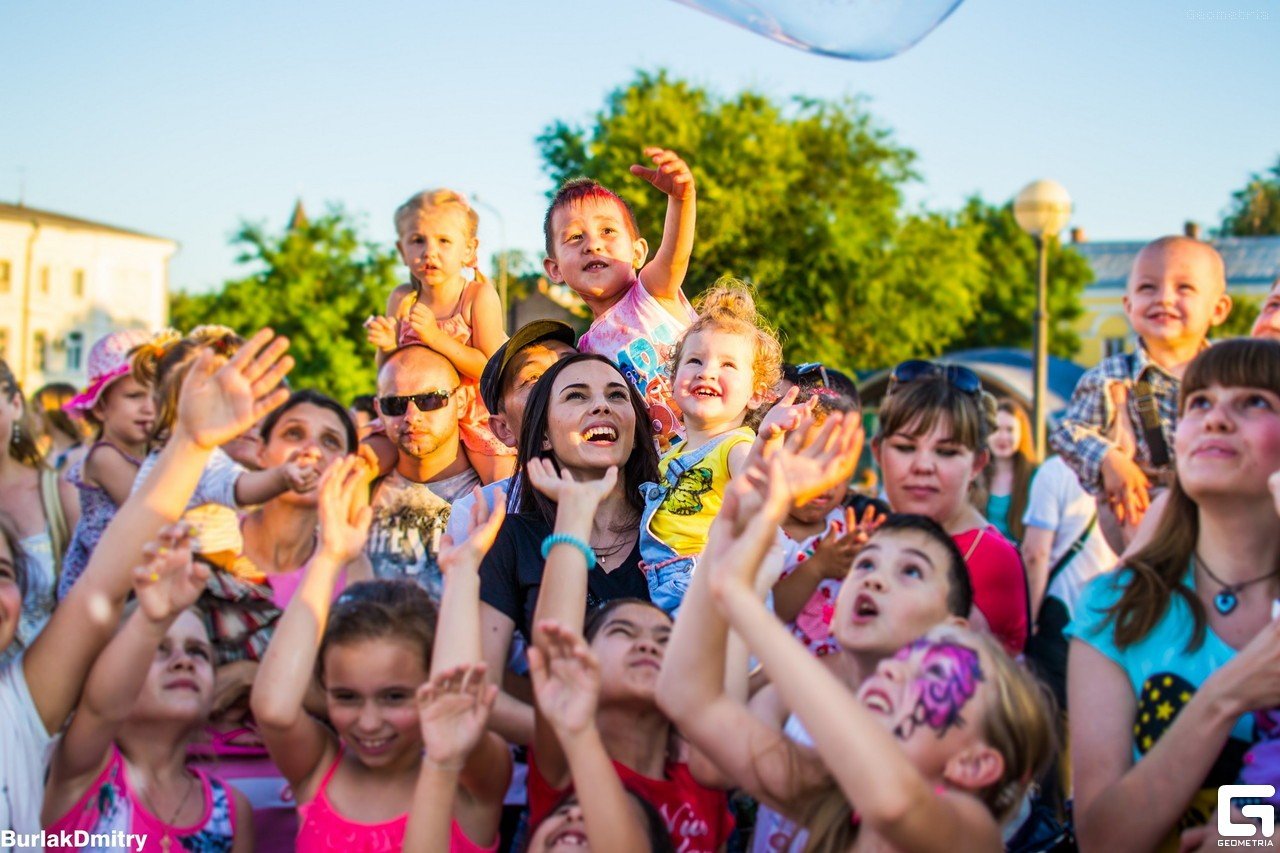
(77,283)
(44,280)
(6,275)
(1112,346)
(40,345)
(75,350)
(4,345)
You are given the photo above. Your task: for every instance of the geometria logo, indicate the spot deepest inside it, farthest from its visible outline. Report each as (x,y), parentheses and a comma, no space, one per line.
(1263,812)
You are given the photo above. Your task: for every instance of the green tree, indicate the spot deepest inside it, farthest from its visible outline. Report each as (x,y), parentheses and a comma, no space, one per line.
(1244,311)
(1255,209)
(1006,307)
(804,198)
(315,283)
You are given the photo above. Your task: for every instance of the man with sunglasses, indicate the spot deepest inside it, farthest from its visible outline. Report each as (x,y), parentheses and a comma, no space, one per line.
(418,392)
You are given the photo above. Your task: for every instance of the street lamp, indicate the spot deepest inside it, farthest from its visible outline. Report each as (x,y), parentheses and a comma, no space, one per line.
(1042,209)
(502,257)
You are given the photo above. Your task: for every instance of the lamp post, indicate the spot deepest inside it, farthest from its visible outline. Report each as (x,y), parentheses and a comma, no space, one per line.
(502,257)
(1042,209)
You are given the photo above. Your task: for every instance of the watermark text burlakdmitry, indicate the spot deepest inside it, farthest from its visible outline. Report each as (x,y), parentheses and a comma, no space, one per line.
(69,840)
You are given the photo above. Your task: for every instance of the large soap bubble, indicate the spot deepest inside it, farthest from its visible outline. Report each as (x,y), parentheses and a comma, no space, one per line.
(848,29)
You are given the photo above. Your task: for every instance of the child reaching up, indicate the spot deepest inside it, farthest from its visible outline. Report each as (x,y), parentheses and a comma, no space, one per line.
(122,762)
(122,410)
(439,308)
(1177,292)
(355,781)
(723,369)
(594,247)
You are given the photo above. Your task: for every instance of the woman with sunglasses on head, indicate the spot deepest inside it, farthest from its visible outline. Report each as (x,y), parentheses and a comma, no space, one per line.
(1172,652)
(931,447)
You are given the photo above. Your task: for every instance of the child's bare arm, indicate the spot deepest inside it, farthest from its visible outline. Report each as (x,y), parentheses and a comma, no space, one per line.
(109,468)
(299,474)
(664,275)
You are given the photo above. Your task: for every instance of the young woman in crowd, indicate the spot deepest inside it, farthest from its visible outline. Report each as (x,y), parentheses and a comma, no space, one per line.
(1006,481)
(1170,653)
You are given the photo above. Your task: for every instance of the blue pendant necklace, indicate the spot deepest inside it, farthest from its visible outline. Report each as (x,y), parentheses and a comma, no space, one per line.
(1226,599)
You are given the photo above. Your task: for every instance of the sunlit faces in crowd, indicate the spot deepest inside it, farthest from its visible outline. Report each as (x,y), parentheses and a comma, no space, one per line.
(519,377)
(630,640)
(1176,291)
(1228,441)
(436,242)
(1006,435)
(715,379)
(1268,323)
(322,431)
(369,688)
(10,586)
(126,410)
(417,370)
(593,247)
(928,471)
(179,684)
(590,421)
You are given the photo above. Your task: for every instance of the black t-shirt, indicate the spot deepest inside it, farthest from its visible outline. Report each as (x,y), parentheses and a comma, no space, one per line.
(511,572)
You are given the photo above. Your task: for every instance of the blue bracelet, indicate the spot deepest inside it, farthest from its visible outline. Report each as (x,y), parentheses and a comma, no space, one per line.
(574,542)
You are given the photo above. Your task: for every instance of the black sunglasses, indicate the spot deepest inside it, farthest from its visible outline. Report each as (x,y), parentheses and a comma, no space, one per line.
(815,369)
(960,378)
(428,402)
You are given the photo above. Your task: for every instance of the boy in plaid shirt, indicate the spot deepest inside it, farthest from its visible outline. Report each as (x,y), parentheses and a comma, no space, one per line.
(1117,434)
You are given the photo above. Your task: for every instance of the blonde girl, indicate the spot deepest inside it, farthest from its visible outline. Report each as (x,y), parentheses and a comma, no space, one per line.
(354,779)
(439,308)
(722,371)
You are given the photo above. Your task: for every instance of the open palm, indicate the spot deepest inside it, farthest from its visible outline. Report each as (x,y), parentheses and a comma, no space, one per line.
(169,581)
(566,678)
(453,710)
(220,400)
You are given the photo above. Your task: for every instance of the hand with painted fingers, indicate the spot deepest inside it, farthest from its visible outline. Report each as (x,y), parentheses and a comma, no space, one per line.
(223,398)
(453,711)
(1126,486)
(169,580)
(382,333)
(833,554)
(482,530)
(670,174)
(755,503)
(566,679)
(345,515)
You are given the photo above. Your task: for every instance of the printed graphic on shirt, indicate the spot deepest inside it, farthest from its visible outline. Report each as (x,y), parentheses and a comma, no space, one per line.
(683,498)
(1163,697)
(404,539)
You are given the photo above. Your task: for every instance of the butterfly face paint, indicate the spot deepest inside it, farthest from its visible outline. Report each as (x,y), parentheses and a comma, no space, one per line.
(944,679)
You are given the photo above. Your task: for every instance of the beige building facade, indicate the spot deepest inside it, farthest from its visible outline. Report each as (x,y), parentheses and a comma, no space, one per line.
(65,282)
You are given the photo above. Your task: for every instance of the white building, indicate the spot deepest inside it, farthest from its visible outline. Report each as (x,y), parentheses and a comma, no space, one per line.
(65,282)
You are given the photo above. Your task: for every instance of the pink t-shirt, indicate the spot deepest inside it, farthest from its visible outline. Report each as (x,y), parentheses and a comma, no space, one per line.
(640,335)
(999,585)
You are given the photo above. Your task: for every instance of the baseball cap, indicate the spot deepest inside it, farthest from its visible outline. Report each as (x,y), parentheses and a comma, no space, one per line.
(527,335)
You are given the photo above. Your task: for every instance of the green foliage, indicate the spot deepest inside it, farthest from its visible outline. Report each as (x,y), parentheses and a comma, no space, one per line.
(316,284)
(803,198)
(1244,312)
(1006,313)
(1255,209)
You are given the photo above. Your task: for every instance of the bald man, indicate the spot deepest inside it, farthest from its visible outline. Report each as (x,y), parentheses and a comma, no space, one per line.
(418,404)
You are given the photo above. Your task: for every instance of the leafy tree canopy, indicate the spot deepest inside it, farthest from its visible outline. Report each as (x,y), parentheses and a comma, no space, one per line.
(1255,209)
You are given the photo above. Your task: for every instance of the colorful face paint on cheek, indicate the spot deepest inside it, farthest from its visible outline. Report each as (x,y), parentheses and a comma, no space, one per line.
(949,678)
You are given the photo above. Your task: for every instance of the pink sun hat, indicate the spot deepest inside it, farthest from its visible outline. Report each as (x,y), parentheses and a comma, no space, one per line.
(108,361)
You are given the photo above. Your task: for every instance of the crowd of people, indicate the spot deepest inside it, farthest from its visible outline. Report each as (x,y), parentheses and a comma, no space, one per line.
(632,590)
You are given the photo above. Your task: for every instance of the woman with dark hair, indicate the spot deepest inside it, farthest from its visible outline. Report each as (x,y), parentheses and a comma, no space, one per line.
(43,507)
(1174,655)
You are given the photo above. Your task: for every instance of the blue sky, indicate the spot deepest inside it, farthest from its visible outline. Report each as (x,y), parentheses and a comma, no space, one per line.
(183,117)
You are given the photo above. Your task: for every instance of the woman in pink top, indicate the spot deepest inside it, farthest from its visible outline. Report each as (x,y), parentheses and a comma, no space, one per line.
(931,446)
(354,779)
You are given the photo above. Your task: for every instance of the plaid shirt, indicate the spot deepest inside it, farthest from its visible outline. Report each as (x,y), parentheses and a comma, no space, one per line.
(1081,437)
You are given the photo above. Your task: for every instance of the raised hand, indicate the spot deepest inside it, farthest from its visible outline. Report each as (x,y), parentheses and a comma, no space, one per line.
(168,581)
(671,175)
(482,530)
(344,506)
(834,552)
(221,399)
(382,333)
(423,322)
(566,678)
(453,710)
(302,470)
(786,414)
(580,496)
(755,503)
(814,459)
